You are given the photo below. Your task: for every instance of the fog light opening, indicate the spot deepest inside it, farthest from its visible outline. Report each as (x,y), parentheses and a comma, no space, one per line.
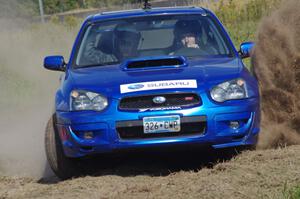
(234,125)
(86,148)
(88,135)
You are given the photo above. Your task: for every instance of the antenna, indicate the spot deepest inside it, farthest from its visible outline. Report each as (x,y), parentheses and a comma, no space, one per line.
(147,5)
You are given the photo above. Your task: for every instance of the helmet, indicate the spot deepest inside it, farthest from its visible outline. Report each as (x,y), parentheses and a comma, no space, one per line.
(183,27)
(126,35)
(126,27)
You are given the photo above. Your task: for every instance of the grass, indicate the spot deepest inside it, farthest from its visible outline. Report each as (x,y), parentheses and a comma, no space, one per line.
(292,193)
(250,175)
(242,17)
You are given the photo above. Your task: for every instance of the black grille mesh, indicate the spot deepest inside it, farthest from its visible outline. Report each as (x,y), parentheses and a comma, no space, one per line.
(142,102)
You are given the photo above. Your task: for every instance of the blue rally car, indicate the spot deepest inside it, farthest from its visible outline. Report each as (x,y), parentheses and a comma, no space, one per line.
(151,78)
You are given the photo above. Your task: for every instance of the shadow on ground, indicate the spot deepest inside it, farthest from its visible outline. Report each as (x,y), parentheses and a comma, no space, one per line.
(152,163)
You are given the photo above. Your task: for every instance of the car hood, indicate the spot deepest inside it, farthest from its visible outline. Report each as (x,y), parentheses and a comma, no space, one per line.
(108,79)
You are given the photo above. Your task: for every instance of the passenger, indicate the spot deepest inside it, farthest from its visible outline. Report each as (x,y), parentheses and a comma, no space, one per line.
(114,46)
(186,35)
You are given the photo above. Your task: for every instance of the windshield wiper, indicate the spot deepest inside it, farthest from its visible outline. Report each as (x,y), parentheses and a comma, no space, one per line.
(96,65)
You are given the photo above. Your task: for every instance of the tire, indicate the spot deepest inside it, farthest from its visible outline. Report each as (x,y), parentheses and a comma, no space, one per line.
(62,166)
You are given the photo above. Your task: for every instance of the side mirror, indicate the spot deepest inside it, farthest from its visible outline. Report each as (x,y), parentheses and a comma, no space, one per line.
(245,49)
(56,63)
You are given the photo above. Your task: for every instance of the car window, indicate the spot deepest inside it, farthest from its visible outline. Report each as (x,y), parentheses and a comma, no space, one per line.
(149,42)
(113,41)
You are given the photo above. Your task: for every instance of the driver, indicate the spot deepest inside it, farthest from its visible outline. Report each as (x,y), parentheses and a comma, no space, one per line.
(126,41)
(119,44)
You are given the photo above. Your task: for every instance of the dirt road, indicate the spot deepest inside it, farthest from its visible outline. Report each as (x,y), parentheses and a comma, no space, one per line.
(252,174)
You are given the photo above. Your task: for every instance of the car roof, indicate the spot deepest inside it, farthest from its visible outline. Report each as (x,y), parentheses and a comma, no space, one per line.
(147,12)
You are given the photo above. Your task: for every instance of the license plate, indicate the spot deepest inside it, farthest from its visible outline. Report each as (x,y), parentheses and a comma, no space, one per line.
(161,124)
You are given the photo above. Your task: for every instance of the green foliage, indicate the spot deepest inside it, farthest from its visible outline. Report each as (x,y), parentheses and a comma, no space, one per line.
(241,18)
(54,19)
(293,193)
(17,8)
(71,21)
(55,6)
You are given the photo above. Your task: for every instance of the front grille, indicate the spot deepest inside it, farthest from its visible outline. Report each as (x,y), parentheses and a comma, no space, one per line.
(172,100)
(194,125)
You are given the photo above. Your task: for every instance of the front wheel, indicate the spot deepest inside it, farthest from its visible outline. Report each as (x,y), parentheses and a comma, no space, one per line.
(62,166)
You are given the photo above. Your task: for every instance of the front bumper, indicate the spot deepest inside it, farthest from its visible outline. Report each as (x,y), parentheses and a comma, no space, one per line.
(106,138)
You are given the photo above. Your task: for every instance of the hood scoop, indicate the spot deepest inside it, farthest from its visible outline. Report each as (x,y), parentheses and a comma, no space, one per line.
(160,62)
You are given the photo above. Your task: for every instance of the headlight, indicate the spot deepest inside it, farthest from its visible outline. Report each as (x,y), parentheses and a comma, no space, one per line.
(230,90)
(85,100)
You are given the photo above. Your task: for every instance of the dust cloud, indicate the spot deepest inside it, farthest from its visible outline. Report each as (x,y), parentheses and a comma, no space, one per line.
(277,65)
(26,89)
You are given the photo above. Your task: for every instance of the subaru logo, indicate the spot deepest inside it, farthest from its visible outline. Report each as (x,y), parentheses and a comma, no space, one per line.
(135,86)
(159,100)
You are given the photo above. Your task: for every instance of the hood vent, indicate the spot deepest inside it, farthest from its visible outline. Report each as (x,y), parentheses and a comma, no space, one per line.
(155,63)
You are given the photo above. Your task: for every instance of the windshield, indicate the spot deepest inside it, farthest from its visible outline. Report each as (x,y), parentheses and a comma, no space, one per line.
(113,41)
